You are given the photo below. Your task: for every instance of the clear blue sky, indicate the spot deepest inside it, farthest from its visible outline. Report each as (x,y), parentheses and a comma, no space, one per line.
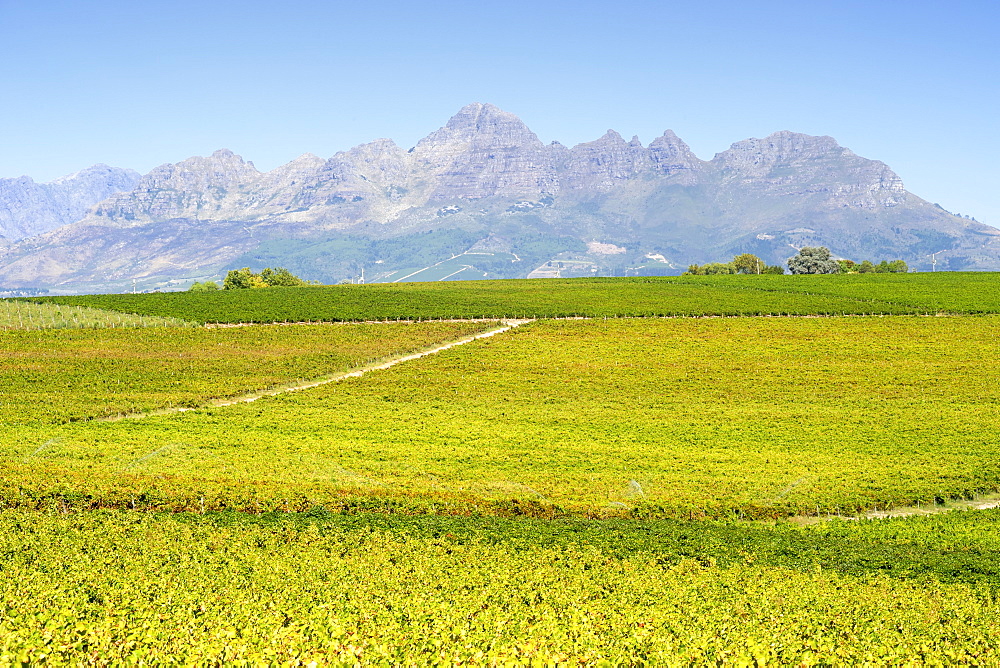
(135,84)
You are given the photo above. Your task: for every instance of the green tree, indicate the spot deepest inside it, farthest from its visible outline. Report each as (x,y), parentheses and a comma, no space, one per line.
(866,267)
(813,260)
(748,263)
(241,279)
(898,267)
(713,268)
(207,286)
(238,279)
(693,270)
(280,277)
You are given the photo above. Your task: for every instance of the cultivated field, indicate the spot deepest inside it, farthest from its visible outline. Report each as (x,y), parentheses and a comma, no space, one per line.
(56,376)
(114,587)
(636,491)
(592,297)
(732,417)
(25,315)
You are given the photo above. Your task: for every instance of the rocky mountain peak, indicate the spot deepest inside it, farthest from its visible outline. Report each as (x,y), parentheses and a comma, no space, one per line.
(377,149)
(609,137)
(470,114)
(757,157)
(28,208)
(379,164)
(482,126)
(790,145)
(190,188)
(99,172)
(306,160)
(795,163)
(299,170)
(484,151)
(222,169)
(670,154)
(598,165)
(477,118)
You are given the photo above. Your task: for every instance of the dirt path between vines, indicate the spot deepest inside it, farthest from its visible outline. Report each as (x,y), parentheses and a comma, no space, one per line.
(985,502)
(507,324)
(982,503)
(280,323)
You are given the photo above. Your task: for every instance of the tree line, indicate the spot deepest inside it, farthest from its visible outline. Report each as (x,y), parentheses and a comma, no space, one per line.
(745,263)
(809,260)
(244,279)
(817,260)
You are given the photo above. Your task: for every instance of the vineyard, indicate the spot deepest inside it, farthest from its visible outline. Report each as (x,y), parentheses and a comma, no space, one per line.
(143,588)
(617,490)
(23,315)
(50,377)
(592,297)
(949,292)
(740,417)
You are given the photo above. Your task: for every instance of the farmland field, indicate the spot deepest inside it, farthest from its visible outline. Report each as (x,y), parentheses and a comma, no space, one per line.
(741,417)
(594,297)
(542,297)
(125,586)
(57,376)
(26,315)
(950,292)
(570,491)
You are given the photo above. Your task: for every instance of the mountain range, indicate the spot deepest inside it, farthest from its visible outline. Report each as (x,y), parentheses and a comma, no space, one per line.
(480,197)
(28,208)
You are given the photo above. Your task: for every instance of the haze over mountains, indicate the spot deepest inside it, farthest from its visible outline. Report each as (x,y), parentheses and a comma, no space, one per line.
(28,208)
(481,197)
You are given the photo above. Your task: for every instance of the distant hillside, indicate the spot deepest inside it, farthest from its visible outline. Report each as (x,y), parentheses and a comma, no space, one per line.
(482,197)
(28,208)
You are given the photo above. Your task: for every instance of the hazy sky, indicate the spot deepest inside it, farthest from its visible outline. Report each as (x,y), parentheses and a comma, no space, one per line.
(135,84)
